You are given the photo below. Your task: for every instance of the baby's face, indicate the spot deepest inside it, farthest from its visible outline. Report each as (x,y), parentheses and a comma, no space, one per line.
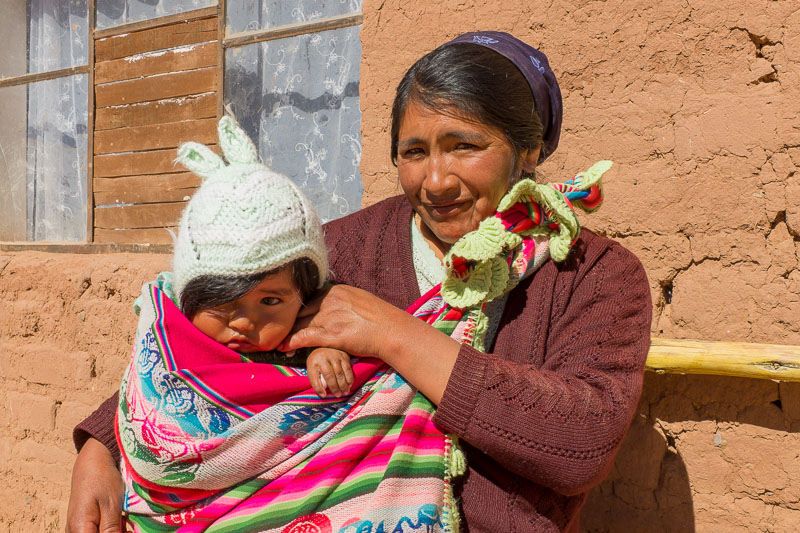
(259,320)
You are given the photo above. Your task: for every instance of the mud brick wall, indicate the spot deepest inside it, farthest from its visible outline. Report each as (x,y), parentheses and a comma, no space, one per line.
(705,453)
(66,328)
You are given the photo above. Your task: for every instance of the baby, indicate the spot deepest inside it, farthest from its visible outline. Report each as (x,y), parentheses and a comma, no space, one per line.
(249,253)
(210,440)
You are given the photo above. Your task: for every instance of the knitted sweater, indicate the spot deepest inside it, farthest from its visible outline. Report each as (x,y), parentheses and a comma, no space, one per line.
(541,415)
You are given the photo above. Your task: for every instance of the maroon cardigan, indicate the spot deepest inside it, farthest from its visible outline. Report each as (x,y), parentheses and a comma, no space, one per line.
(542,415)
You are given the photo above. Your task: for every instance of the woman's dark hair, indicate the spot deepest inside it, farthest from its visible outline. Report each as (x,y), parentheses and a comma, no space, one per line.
(473,82)
(205,292)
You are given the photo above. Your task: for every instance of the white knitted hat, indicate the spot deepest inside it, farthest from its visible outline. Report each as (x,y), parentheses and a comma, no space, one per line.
(244,219)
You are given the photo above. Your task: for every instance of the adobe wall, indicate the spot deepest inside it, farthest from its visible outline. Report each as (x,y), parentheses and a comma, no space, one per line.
(698,107)
(66,329)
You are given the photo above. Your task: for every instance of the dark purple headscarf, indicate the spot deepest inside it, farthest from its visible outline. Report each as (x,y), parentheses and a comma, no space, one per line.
(534,66)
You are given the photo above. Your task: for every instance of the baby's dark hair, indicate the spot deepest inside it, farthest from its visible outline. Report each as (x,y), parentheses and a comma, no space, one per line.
(205,292)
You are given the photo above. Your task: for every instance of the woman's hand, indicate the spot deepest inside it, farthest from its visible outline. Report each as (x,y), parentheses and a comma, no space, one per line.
(330,369)
(95,500)
(345,318)
(356,322)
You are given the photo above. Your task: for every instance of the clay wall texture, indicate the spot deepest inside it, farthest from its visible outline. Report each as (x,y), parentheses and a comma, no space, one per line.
(697,104)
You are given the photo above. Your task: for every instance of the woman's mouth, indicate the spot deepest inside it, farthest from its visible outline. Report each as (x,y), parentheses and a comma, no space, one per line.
(444,209)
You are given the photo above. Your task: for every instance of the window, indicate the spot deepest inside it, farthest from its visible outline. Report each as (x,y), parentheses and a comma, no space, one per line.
(96,95)
(44,110)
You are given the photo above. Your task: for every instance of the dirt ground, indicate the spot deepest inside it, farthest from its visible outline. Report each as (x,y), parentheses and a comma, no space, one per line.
(696,103)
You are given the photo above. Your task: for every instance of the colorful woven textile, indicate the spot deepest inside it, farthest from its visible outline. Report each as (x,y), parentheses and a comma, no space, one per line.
(212,441)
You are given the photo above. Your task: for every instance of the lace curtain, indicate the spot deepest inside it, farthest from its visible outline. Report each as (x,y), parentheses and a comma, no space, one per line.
(115,12)
(299,98)
(246,15)
(57,116)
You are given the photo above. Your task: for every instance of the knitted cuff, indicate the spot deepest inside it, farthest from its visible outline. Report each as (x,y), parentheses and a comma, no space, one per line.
(462,392)
(99,425)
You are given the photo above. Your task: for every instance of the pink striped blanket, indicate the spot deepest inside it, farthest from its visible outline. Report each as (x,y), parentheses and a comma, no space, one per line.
(212,441)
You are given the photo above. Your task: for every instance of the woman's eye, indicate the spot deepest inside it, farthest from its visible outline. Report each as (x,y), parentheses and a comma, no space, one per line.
(412,152)
(270,300)
(465,146)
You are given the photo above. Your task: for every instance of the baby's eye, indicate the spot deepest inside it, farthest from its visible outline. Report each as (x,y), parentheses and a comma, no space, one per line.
(270,300)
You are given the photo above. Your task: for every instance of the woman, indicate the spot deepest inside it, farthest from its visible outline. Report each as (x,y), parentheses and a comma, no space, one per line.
(542,413)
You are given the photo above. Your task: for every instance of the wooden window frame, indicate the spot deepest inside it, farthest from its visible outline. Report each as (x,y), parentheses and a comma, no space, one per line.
(25,79)
(292,30)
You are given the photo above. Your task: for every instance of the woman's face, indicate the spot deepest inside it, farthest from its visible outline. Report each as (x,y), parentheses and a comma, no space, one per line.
(453,171)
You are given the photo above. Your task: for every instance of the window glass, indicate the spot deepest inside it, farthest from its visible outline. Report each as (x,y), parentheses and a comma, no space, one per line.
(43,35)
(13,164)
(116,12)
(246,15)
(299,98)
(43,172)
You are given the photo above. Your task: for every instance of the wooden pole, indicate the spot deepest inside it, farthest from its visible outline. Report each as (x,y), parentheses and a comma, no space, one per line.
(740,359)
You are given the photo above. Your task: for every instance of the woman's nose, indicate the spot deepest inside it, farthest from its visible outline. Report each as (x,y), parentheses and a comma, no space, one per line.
(440,182)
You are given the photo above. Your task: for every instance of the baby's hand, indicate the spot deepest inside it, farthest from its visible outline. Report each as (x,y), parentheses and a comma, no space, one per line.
(329,368)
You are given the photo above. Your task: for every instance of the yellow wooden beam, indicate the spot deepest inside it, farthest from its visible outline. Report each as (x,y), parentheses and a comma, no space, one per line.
(741,359)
